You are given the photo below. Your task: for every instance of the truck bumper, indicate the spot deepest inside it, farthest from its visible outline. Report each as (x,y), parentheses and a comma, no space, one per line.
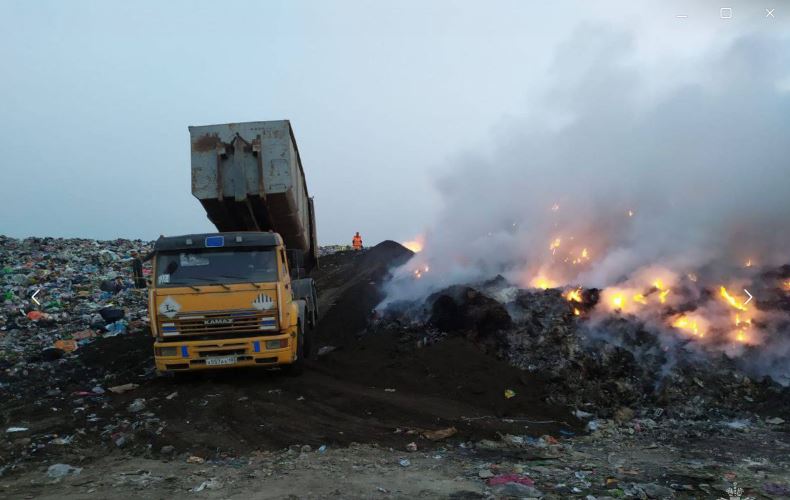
(271,350)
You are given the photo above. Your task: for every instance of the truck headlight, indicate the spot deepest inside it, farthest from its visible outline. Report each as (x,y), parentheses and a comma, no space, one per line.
(167,351)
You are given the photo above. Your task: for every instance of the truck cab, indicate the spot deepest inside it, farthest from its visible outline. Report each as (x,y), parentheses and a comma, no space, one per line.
(228,299)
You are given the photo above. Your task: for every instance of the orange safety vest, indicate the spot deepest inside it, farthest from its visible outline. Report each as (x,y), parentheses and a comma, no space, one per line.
(356,242)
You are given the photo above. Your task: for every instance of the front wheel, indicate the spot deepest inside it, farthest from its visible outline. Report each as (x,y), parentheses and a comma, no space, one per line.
(297,367)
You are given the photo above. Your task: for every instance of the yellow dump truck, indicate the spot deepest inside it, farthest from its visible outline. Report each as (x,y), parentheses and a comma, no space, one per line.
(240,296)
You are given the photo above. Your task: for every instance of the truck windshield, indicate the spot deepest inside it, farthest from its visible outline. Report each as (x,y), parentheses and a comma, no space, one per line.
(215,266)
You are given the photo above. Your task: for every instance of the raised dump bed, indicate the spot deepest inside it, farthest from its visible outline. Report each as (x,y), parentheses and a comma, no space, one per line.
(249,177)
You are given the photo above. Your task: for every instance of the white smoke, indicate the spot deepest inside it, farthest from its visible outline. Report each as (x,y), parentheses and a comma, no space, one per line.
(615,184)
(703,166)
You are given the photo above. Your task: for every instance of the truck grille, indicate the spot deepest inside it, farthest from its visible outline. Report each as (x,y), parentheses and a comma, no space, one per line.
(222,322)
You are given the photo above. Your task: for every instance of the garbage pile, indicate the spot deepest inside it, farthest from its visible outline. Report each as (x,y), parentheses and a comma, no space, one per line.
(609,369)
(58,295)
(323,251)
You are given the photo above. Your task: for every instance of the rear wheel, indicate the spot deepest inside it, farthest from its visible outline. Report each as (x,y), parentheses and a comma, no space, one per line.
(308,342)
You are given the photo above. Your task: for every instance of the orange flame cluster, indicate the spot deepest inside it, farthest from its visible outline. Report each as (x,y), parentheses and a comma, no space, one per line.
(688,324)
(414,245)
(681,302)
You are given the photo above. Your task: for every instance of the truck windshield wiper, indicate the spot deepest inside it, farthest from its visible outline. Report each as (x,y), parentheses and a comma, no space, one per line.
(239,278)
(210,281)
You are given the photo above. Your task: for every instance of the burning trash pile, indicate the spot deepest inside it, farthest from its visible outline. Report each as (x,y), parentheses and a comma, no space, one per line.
(685,343)
(59,296)
(601,358)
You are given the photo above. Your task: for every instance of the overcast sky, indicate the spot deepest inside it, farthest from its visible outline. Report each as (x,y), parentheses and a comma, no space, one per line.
(96,97)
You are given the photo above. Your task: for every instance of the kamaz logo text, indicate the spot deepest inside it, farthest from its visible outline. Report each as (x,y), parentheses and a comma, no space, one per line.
(218,321)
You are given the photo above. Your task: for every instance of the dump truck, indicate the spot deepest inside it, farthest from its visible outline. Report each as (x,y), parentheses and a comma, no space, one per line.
(241,296)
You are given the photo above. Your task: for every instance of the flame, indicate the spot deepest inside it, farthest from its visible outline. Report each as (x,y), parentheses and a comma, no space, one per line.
(583,256)
(574,295)
(663,292)
(555,245)
(630,213)
(741,334)
(542,283)
(639,298)
(746,322)
(748,263)
(414,245)
(731,300)
(576,311)
(616,299)
(688,324)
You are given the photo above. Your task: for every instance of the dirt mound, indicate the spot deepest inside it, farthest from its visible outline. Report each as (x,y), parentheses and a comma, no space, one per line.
(349,286)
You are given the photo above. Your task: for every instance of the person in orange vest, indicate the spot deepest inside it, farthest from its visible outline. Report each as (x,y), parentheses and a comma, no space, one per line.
(356,242)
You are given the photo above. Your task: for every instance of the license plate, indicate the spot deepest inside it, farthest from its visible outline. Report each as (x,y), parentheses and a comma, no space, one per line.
(225,360)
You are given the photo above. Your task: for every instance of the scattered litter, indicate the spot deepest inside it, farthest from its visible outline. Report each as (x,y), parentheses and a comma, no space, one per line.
(739,424)
(137,405)
(411,446)
(404,462)
(324,350)
(211,484)
(440,434)
(62,441)
(68,345)
(511,478)
(509,393)
(35,315)
(195,460)
(777,489)
(120,389)
(57,471)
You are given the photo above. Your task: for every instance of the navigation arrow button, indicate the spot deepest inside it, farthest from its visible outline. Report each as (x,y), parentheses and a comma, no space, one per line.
(750,296)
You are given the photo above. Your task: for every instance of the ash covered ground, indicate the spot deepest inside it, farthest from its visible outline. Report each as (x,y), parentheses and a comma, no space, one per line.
(482,390)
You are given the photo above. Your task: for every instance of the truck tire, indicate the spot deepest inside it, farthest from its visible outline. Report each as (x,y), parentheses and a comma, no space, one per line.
(296,368)
(308,342)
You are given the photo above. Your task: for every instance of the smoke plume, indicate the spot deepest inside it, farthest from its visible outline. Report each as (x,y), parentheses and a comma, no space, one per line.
(615,181)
